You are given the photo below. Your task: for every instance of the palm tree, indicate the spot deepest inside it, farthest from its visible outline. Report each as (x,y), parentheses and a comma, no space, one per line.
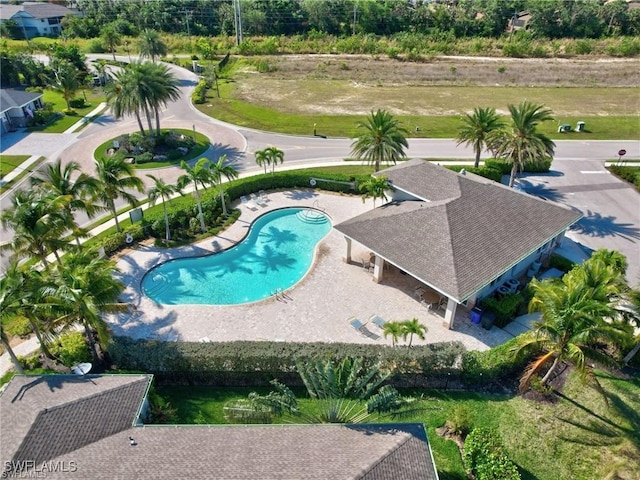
(394,329)
(413,327)
(38,221)
(4,341)
(159,86)
(9,293)
(164,191)
(124,96)
(374,187)
(66,81)
(85,289)
(111,39)
(612,258)
(151,45)
(199,174)
(115,177)
(269,156)
(572,321)
(521,142)
(81,191)
(476,127)
(218,170)
(382,140)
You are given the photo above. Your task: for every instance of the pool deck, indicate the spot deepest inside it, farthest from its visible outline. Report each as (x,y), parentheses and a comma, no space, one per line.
(317,309)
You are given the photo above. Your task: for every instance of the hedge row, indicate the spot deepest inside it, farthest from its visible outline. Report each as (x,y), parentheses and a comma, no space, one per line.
(540,166)
(441,365)
(629,174)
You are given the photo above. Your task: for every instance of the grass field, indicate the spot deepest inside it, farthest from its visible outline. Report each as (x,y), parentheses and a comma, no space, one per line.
(577,438)
(9,162)
(94,98)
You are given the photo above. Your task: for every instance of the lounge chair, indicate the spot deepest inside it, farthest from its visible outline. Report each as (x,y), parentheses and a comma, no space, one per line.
(362,329)
(263,196)
(377,321)
(250,204)
(257,199)
(355,323)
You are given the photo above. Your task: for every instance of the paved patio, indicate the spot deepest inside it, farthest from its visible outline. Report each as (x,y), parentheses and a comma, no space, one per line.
(317,309)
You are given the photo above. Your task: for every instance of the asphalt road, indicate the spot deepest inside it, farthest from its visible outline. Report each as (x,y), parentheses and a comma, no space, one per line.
(611,208)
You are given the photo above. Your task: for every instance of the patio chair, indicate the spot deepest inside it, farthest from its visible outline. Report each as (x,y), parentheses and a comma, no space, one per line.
(378,321)
(250,204)
(362,329)
(263,196)
(357,324)
(256,199)
(366,264)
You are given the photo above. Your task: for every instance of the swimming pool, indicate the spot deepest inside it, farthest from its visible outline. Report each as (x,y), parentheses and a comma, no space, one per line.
(275,255)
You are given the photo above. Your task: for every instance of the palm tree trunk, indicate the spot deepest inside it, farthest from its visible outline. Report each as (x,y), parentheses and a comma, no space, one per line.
(142,131)
(514,171)
(166,221)
(157,121)
(148,115)
(410,339)
(14,359)
(43,344)
(553,368)
(112,207)
(92,343)
(200,215)
(224,205)
(476,164)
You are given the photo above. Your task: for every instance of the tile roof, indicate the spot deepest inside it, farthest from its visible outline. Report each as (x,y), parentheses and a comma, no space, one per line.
(466,233)
(12,98)
(80,427)
(50,415)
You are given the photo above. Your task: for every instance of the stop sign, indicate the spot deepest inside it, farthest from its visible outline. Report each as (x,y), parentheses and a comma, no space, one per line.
(622,152)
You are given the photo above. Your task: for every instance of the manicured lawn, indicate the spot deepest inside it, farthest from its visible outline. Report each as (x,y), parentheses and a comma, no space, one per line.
(577,438)
(94,98)
(9,162)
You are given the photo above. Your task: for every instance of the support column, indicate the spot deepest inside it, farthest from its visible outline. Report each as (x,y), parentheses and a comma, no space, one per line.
(347,258)
(378,269)
(450,314)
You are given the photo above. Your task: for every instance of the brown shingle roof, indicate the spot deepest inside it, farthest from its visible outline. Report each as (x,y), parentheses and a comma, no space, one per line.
(468,233)
(49,415)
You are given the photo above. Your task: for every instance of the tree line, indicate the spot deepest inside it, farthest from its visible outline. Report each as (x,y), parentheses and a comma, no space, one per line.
(464,18)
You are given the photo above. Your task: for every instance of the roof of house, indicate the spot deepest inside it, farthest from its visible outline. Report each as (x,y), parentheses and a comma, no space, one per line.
(461,232)
(13,98)
(81,427)
(34,9)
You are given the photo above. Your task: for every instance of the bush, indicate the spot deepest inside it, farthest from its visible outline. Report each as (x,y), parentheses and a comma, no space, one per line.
(505,307)
(95,46)
(145,157)
(461,421)
(18,326)
(628,174)
(540,166)
(71,349)
(486,171)
(199,94)
(77,102)
(484,456)
(116,241)
(561,263)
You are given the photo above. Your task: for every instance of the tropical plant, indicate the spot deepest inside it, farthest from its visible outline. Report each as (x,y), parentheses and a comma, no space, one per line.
(159,86)
(151,45)
(476,127)
(269,156)
(200,173)
(383,139)
(394,329)
(413,327)
(521,142)
(38,222)
(116,177)
(66,81)
(374,187)
(124,96)
(110,39)
(164,191)
(81,191)
(218,170)
(84,288)
(572,322)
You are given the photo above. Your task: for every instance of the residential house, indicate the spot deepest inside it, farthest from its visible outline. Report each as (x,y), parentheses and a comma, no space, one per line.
(16,107)
(90,427)
(460,234)
(36,19)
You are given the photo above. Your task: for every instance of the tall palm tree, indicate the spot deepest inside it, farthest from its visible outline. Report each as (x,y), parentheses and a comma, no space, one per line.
(476,127)
(383,139)
(164,191)
(200,173)
(521,142)
(116,177)
(161,86)
(151,45)
(66,81)
(4,341)
(110,38)
(572,321)
(124,96)
(59,180)
(218,170)
(85,289)
(269,156)
(38,221)
(413,327)
(394,329)
(9,292)
(374,187)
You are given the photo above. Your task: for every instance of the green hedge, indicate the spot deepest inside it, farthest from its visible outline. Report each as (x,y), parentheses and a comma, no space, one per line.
(628,174)
(485,458)
(489,172)
(541,166)
(504,308)
(561,263)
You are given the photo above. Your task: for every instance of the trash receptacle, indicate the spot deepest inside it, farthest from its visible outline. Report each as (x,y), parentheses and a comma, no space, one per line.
(487,320)
(476,315)
(580,127)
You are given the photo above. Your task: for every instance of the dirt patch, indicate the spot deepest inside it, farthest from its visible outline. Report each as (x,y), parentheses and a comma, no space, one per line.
(355,84)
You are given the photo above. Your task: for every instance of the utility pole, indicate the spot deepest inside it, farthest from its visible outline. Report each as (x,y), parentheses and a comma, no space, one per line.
(355,16)
(187,14)
(237,17)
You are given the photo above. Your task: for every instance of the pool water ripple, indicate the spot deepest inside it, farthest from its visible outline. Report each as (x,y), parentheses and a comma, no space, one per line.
(275,255)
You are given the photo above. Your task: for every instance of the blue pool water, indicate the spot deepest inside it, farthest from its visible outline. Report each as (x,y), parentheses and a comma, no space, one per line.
(275,255)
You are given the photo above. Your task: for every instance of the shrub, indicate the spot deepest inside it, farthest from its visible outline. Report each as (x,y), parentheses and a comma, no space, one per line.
(199,94)
(71,349)
(486,171)
(484,456)
(561,263)
(18,326)
(77,102)
(461,421)
(145,157)
(628,174)
(95,46)
(505,307)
